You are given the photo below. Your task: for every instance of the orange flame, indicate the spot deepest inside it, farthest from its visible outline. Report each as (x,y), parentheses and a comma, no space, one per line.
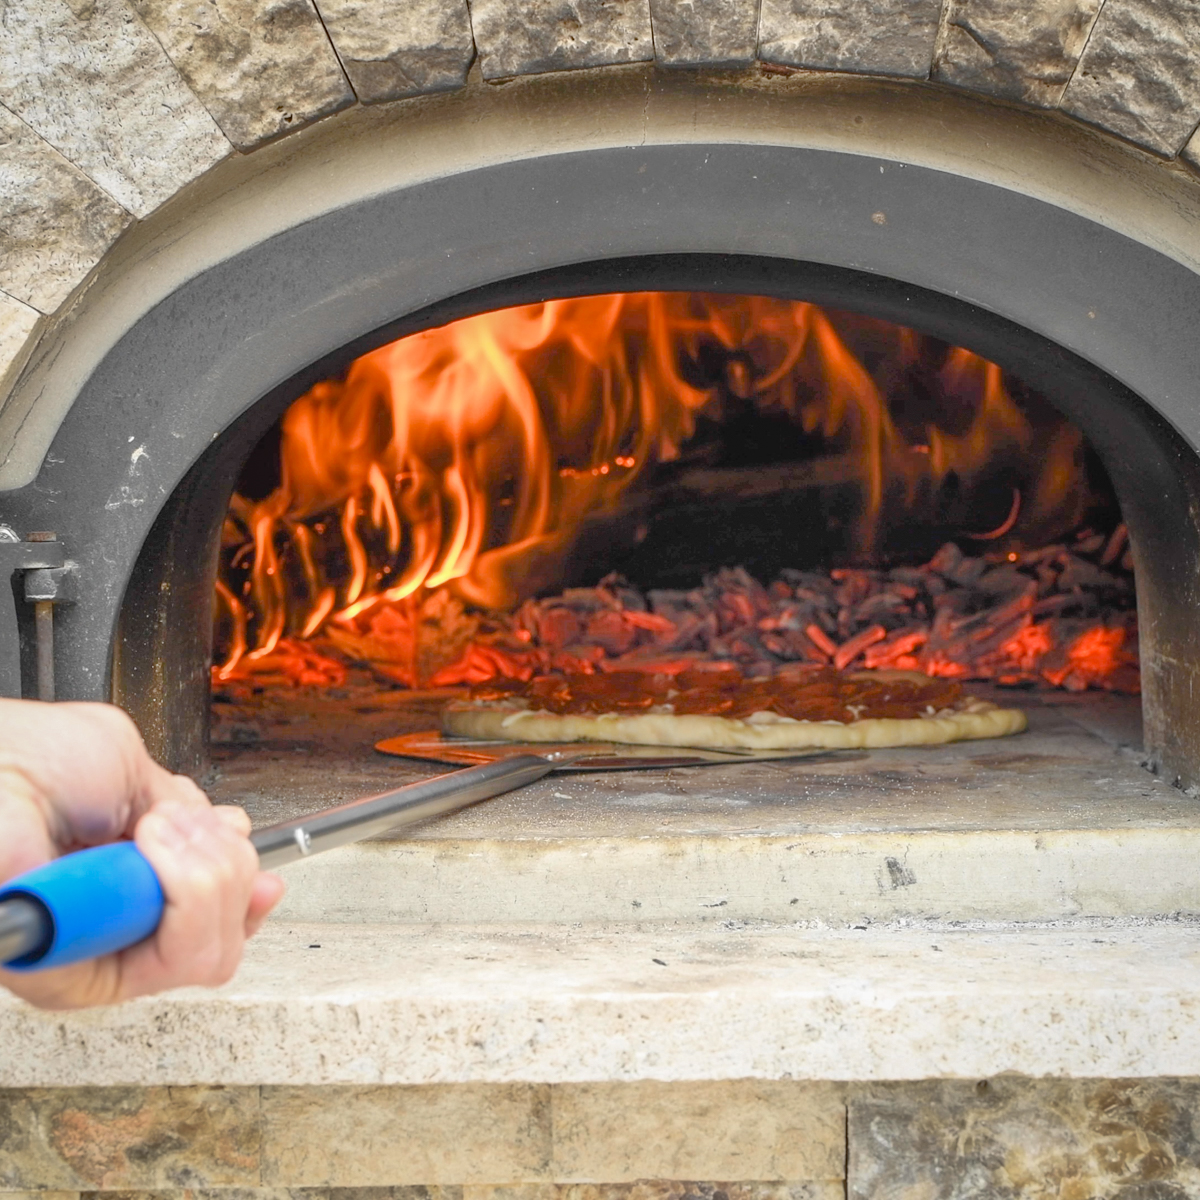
(466,457)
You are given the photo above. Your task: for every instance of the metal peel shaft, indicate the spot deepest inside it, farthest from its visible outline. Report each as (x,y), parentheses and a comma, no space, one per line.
(22,928)
(290,840)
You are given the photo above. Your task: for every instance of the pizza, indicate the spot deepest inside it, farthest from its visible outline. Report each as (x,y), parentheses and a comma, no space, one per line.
(715,709)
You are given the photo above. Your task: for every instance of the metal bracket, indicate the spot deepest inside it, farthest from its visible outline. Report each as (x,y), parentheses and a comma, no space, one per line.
(52,585)
(17,555)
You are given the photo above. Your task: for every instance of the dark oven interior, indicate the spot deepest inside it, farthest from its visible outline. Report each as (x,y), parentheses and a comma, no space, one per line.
(629,464)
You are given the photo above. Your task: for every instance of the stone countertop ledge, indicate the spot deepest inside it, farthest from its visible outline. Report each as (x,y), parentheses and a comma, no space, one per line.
(409,1004)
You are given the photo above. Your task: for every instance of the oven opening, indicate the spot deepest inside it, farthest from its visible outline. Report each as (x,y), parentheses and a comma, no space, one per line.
(658,483)
(638,481)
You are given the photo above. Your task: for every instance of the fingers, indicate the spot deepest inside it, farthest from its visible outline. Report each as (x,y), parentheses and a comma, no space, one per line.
(161,785)
(207,869)
(28,839)
(82,765)
(234,817)
(268,891)
(268,888)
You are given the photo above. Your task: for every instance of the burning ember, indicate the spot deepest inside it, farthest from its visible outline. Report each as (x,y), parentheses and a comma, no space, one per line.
(1059,615)
(424,500)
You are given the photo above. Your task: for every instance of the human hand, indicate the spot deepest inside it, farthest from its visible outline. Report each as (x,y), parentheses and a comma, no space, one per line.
(76,775)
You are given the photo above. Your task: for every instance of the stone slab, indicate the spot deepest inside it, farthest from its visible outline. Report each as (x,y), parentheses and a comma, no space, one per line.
(396,48)
(364,1137)
(39,1195)
(235,1193)
(261,67)
(1013,49)
(837,879)
(1008,1138)
(735,1129)
(367,1005)
(1138,77)
(527,37)
(134,1138)
(17,322)
(689,33)
(879,37)
(90,78)
(57,222)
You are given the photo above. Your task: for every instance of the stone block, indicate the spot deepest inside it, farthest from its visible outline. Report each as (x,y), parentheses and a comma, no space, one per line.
(372,1136)
(397,48)
(237,1193)
(261,67)
(1138,75)
(265,1193)
(1191,152)
(876,37)
(660,1189)
(1017,1137)
(525,37)
(409,1192)
(141,1139)
(39,1196)
(704,32)
(738,1129)
(90,79)
(17,322)
(57,222)
(1012,48)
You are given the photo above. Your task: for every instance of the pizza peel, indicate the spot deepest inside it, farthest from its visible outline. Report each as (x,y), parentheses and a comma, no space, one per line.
(433,746)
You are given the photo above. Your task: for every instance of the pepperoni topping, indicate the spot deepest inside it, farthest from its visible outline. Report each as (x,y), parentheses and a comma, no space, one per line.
(818,695)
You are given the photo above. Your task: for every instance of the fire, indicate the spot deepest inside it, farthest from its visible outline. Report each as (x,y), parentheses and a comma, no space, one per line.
(445,476)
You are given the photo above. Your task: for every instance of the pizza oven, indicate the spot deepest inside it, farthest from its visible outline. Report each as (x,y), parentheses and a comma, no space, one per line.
(362,452)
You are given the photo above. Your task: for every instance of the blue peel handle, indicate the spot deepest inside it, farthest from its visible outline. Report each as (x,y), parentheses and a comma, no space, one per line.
(98,901)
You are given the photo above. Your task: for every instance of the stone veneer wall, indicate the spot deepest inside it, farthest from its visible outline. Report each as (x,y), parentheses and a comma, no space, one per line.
(108,107)
(739,1140)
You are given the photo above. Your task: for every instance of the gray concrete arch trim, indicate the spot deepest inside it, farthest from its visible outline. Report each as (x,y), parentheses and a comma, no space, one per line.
(207,353)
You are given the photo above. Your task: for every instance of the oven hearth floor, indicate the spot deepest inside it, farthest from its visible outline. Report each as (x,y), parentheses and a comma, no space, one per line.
(1061,822)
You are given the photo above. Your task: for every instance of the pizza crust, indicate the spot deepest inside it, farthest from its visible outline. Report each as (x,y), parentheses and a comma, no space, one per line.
(762,731)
